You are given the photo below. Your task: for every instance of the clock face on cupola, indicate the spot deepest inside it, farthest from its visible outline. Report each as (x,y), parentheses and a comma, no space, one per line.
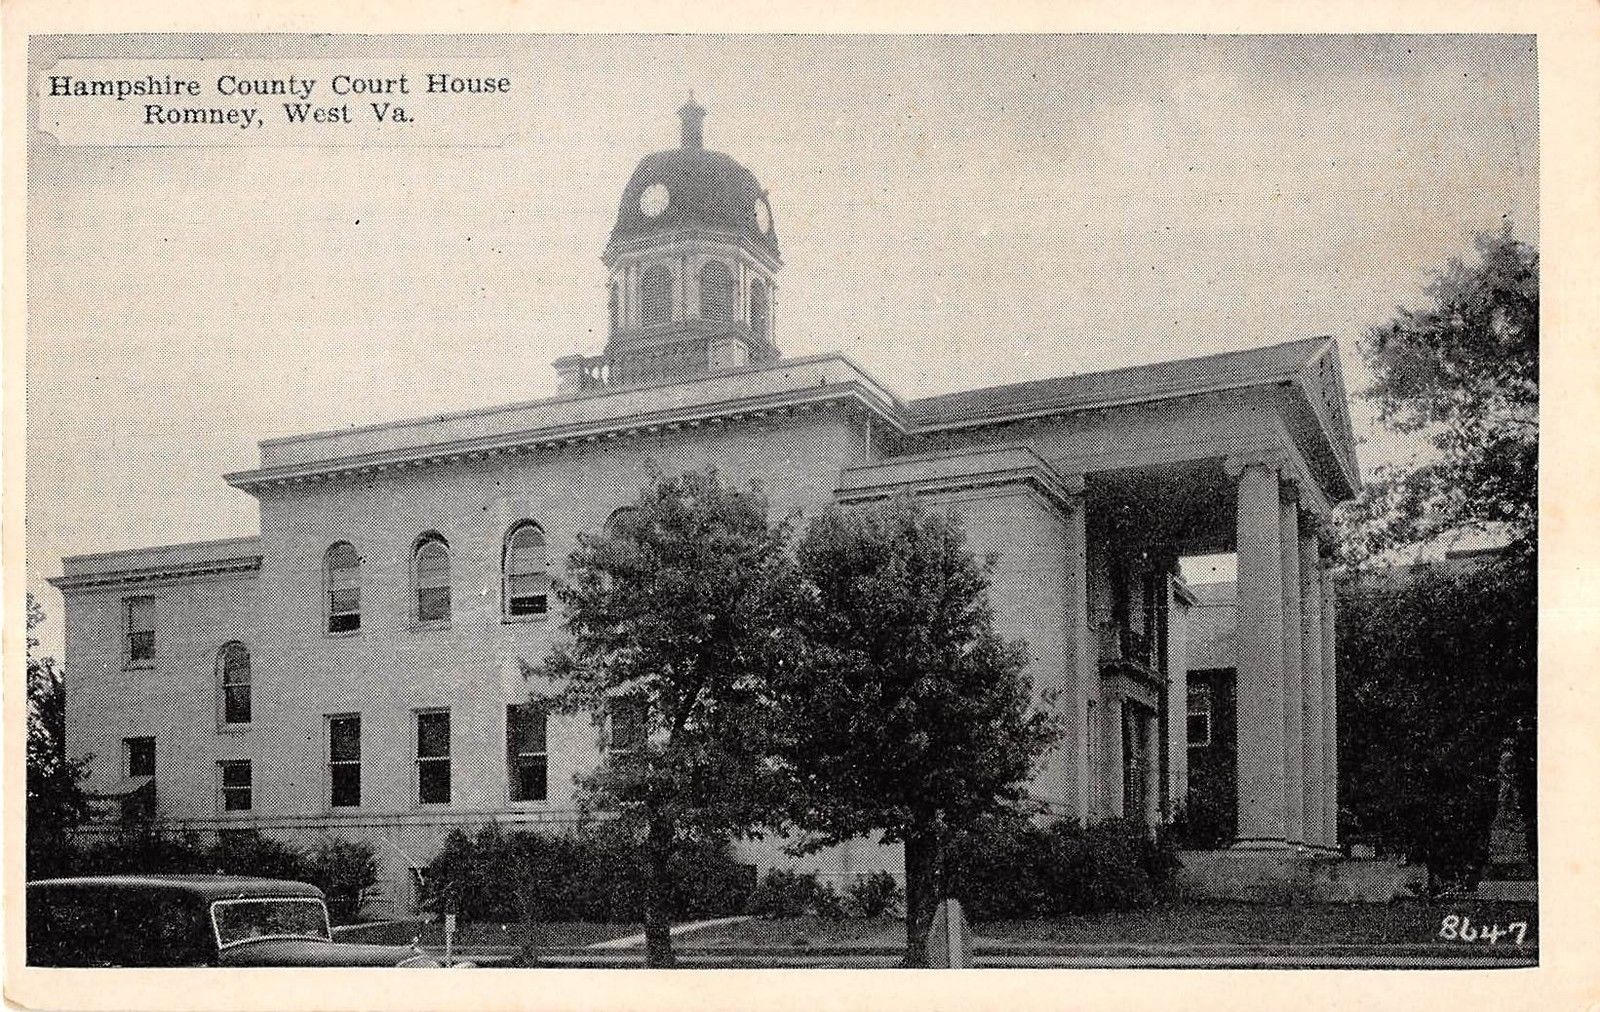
(655,199)
(692,258)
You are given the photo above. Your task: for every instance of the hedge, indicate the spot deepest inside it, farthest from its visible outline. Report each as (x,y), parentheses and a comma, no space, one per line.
(1007,867)
(592,874)
(345,871)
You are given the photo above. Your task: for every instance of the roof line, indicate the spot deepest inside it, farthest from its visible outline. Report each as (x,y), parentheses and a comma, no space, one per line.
(1310,342)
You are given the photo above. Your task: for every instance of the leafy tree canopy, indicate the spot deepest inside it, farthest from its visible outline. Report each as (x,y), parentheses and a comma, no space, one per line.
(57,804)
(676,615)
(911,716)
(1462,372)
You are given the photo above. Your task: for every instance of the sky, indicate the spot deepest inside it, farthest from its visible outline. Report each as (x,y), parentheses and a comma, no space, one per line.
(953,212)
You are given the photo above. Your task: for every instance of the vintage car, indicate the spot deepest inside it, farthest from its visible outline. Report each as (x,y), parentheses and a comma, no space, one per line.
(192,920)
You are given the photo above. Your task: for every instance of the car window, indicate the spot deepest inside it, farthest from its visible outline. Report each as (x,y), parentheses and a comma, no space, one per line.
(251,919)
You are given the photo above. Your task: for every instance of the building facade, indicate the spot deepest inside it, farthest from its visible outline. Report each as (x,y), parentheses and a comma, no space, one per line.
(357,668)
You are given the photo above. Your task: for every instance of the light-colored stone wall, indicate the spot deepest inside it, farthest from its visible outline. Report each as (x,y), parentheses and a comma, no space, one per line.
(1026,535)
(174,699)
(394,667)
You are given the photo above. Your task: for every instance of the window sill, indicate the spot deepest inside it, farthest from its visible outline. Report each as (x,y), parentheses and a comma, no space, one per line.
(139,666)
(544,803)
(429,626)
(347,634)
(543,616)
(235,728)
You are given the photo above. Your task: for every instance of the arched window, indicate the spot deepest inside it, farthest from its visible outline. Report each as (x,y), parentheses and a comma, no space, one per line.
(342,566)
(233,670)
(760,307)
(431,574)
(527,578)
(718,291)
(614,307)
(655,295)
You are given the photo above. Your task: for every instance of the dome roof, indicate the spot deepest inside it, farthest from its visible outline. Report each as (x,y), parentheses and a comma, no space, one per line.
(703,188)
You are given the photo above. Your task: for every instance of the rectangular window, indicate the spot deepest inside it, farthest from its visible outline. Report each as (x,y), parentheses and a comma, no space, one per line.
(433,757)
(235,661)
(627,726)
(236,785)
(141,625)
(344,760)
(141,756)
(344,609)
(1199,715)
(527,752)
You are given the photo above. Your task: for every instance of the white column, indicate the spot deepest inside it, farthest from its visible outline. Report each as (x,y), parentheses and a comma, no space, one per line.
(1084,659)
(1330,709)
(1177,698)
(1314,702)
(1116,762)
(1259,676)
(1152,772)
(1293,682)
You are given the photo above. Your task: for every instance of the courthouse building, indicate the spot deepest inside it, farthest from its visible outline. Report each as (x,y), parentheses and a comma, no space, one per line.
(357,668)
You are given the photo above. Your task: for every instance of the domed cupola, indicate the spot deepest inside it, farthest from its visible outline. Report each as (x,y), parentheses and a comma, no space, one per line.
(691,260)
(688,187)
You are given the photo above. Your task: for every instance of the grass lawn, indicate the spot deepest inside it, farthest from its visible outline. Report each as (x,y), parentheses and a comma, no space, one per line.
(1404,922)
(1407,922)
(800,932)
(555,934)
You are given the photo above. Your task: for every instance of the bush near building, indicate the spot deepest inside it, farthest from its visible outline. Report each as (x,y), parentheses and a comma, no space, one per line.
(1009,867)
(345,871)
(593,874)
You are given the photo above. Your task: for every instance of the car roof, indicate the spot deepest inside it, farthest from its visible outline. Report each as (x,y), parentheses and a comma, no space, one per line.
(207,887)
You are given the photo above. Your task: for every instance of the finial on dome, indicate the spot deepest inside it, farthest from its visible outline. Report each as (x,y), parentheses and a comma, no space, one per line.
(693,114)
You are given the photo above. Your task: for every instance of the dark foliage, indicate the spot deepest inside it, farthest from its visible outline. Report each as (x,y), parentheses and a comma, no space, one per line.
(346,871)
(57,805)
(594,874)
(679,611)
(141,848)
(910,715)
(247,852)
(1208,816)
(875,895)
(1008,867)
(1437,677)
(1462,373)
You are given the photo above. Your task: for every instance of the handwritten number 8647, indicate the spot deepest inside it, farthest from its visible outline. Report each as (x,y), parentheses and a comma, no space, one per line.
(1457,928)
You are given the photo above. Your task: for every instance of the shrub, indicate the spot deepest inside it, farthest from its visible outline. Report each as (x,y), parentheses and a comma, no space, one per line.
(875,895)
(784,893)
(593,874)
(248,852)
(1007,867)
(1206,820)
(346,872)
(828,904)
(144,849)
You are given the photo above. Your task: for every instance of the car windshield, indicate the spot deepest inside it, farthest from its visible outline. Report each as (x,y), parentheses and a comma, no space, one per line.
(247,920)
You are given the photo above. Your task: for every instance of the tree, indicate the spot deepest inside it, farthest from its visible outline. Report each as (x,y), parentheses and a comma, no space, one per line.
(1463,375)
(676,616)
(57,804)
(1438,668)
(910,716)
(1436,672)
